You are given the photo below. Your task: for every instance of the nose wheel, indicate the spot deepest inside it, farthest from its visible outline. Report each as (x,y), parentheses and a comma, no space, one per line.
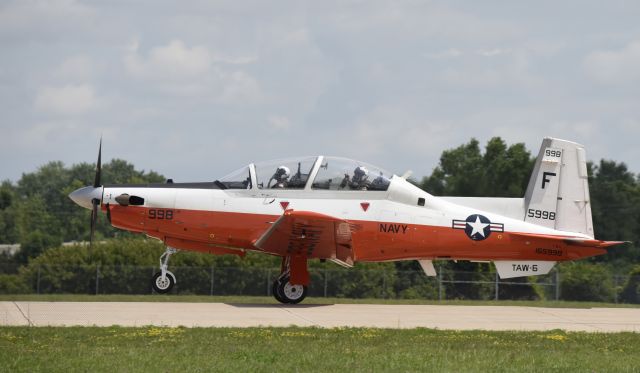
(163,284)
(163,281)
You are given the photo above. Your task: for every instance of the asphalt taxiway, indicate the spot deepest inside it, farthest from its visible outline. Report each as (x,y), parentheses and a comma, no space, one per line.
(331,315)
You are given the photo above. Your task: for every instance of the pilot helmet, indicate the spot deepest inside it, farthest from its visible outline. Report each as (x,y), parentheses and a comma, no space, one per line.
(360,172)
(282,173)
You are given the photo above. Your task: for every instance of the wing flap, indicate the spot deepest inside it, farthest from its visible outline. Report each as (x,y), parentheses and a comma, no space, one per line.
(309,234)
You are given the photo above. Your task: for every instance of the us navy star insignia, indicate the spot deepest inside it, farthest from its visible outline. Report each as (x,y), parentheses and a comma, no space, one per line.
(477,227)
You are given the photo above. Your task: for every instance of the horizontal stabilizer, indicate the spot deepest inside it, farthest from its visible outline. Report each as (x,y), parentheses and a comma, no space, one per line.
(573,241)
(592,243)
(520,268)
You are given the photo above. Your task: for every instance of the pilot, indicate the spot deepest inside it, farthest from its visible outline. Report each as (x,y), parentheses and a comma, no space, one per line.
(359,180)
(281,177)
(380,183)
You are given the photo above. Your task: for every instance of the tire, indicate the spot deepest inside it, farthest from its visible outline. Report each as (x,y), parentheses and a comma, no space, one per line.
(163,287)
(291,294)
(275,290)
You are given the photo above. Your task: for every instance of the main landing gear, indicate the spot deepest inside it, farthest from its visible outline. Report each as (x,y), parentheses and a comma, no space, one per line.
(162,282)
(287,291)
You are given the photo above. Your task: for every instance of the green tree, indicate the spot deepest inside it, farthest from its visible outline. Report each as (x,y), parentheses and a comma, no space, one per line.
(583,281)
(501,171)
(38,228)
(38,213)
(465,171)
(615,205)
(631,290)
(8,200)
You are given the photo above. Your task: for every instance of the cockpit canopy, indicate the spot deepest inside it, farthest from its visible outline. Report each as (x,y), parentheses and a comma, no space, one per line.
(325,173)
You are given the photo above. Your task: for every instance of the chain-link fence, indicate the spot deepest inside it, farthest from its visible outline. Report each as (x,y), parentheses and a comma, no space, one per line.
(348,283)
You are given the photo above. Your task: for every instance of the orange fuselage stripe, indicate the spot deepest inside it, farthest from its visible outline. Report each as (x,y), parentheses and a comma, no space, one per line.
(207,230)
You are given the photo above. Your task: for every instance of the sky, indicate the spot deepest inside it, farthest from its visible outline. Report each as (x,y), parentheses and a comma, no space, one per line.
(196,89)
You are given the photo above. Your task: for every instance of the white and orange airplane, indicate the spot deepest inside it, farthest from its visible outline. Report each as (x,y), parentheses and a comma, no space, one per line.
(347,211)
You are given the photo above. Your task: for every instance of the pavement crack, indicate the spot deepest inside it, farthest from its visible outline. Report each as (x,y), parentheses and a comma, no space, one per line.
(298,316)
(567,320)
(23,314)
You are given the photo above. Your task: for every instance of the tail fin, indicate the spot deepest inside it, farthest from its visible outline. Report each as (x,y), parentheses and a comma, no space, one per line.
(558,192)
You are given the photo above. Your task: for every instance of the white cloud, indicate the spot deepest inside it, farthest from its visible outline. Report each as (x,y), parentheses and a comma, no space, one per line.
(392,129)
(66,100)
(173,61)
(491,52)
(493,69)
(49,17)
(615,66)
(238,87)
(76,68)
(196,71)
(630,126)
(448,53)
(279,122)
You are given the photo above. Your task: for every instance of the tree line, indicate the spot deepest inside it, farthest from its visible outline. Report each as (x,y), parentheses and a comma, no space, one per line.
(37,213)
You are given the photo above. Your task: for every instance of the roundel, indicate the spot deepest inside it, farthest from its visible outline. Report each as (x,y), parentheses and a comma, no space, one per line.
(478,227)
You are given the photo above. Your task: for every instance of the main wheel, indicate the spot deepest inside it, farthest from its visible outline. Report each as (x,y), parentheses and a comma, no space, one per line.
(162,285)
(275,290)
(289,293)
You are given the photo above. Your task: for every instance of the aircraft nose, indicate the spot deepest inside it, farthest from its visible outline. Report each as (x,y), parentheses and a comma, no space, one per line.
(84,196)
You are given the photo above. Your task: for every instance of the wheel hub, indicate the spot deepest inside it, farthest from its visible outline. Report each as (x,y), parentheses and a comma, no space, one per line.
(293,292)
(163,282)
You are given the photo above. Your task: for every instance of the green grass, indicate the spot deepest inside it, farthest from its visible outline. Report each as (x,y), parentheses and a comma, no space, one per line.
(311,300)
(154,349)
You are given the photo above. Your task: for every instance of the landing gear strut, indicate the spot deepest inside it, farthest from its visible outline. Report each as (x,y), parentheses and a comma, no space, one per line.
(163,281)
(283,290)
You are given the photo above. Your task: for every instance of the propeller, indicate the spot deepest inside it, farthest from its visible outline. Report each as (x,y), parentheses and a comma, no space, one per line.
(96,201)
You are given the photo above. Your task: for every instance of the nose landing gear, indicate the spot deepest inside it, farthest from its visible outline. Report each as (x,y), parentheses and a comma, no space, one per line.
(162,282)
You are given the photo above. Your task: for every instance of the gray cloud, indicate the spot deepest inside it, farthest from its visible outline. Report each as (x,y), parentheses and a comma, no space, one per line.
(195,90)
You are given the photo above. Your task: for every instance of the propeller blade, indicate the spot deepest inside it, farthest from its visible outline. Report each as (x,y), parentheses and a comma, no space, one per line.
(96,182)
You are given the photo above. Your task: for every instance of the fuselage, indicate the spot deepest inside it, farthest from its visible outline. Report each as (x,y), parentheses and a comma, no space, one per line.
(401,222)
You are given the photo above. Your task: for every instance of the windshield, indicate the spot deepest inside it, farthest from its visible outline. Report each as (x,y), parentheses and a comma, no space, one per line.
(239,179)
(284,173)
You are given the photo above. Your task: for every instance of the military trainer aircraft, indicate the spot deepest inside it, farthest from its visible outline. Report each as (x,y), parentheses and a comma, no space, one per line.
(347,211)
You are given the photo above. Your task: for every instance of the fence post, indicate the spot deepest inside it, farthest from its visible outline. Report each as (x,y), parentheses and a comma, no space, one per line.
(211,291)
(268,275)
(440,284)
(616,278)
(557,284)
(497,286)
(384,283)
(326,273)
(97,277)
(153,272)
(38,281)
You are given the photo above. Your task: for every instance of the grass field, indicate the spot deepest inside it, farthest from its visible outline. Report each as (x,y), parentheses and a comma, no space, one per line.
(271,300)
(153,349)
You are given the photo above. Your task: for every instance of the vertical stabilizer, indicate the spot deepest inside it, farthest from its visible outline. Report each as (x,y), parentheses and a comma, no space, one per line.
(558,192)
